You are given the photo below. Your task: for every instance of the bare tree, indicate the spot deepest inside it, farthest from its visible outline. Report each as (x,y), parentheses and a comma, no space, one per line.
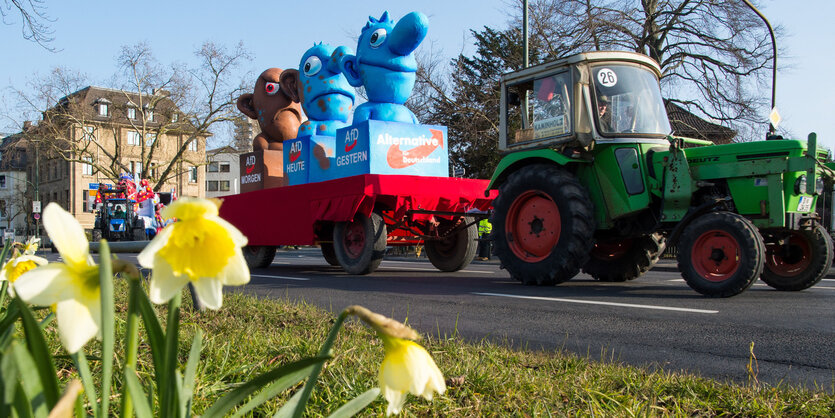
(33,16)
(155,101)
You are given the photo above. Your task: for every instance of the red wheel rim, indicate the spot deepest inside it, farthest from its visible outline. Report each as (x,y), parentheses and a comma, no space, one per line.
(715,255)
(611,250)
(533,226)
(354,241)
(789,260)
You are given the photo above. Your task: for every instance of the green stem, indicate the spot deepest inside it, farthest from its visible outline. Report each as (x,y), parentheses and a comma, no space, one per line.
(169,405)
(83,368)
(108,324)
(131,342)
(317,369)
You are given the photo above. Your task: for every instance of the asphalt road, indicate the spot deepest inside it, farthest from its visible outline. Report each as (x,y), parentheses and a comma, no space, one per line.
(656,320)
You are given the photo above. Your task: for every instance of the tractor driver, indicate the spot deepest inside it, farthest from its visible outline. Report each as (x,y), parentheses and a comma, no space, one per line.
(119,213)
(603,114)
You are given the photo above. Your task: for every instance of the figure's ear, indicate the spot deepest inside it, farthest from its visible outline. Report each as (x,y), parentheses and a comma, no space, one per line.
(349,64)
(246,107)
(289,81)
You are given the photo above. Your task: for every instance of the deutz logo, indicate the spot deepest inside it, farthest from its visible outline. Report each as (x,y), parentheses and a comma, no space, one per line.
(702,160)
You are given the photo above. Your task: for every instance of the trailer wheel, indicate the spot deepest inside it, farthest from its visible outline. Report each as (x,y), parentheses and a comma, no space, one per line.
(543,222)
(359,245)
(720,254)
(625,259)
(455,251)
(799,263)
(96,235)
(259,256)
(139,235)
(329,254)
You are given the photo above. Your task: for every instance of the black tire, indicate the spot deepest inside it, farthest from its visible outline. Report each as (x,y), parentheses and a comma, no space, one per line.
(96,235)
(259,256)
(801,263)
(622,260)
(457,250)
(329,254)
(139,235)
(359,245)
(550,249)
(720,254)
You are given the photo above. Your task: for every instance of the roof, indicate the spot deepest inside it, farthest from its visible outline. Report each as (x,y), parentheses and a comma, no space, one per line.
(686,124)
(222,150)
(84,100)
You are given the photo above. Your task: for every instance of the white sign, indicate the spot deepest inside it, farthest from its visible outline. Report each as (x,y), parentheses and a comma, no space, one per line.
(36,206)
(774,117)
(607,77)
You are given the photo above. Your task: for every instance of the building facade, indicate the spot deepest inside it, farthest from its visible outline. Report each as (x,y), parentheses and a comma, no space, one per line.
(223,172)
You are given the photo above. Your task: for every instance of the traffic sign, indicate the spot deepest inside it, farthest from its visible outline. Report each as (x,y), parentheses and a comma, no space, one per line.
(37,216)
(36,206)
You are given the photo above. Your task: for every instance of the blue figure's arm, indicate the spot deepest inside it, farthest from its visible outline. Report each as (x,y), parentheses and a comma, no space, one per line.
(349,65)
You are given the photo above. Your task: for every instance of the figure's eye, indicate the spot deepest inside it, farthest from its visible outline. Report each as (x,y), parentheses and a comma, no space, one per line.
(377,38)
(312,66)
(271,88)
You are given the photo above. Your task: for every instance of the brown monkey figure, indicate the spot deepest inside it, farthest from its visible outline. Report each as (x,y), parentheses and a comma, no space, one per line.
(271,105)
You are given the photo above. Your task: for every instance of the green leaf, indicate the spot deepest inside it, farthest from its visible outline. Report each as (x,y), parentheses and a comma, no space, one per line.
(314,374)
(107,324)
(140,401)
(286,373)
(21,405)
(357,404)
(8,380)
(7,325)
(156,339)
(30,381)
(80,361)
(191,370)
(289,408)
(167,376)
(45,365)
(272,390)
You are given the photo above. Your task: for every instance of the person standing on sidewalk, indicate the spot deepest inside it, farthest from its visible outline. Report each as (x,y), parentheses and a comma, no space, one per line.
(485,243)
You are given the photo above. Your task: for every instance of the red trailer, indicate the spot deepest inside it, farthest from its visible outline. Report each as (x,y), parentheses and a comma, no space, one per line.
(353,219)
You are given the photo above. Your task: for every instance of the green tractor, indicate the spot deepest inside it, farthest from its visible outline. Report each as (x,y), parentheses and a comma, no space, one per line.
(592,180)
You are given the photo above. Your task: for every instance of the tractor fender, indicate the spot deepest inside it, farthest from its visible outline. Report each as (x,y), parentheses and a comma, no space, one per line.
(693,213)
(512,162)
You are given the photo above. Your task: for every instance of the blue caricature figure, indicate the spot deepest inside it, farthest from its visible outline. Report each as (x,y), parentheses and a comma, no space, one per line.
(385,65)
(325,95)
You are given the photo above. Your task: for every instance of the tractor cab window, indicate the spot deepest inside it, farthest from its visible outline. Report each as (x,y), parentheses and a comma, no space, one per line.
(628,102)
(539,109)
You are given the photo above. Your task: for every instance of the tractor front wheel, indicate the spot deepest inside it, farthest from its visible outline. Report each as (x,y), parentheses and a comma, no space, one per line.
(720,254)
(543,222)
(624,259)
(799,260)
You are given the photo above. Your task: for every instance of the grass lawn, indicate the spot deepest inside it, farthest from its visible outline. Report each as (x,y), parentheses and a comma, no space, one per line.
(249,336)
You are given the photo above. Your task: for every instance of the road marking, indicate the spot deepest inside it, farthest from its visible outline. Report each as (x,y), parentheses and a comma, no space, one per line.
(765,285)
(594,302)
(405,269)
(301,279)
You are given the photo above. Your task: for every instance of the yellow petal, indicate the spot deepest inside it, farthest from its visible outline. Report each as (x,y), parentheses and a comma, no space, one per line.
(236,272)
(408,367)
(164,284)
(66,234)
(146,256)
(209,291)
(198,248)
(78,322)
(46,285)
(237,237)
(188,208)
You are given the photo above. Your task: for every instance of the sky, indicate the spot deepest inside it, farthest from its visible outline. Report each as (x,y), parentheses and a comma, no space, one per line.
(89,34)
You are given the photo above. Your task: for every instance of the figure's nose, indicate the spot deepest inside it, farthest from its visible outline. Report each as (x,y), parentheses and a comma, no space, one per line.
(337,55)
(408,33)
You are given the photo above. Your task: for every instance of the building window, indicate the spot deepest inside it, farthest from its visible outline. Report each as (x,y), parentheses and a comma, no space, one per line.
(192,174)
(103,109)
(224,185)
(2,182)
(133,138)
(212,186)
(192,146)
(175,117)
(149,115)
(2,208)
(136,170)
(213,167)
(149,139)
(224,167)
(131,113)
(87,166)
(87,133)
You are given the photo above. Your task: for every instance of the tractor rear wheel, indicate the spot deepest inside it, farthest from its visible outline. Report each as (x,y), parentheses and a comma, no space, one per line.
(456,250)
(360,244)
(720,254)
(798,262)
(96,235)
(543,223)
(259,256)
(624,259)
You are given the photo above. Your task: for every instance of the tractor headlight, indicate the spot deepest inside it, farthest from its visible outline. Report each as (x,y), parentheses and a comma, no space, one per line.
(800,185)
(819,186)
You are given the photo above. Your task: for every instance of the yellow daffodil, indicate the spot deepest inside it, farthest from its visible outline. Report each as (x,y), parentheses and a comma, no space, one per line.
(17,266)
(72,287)
(200,248)
(407,367)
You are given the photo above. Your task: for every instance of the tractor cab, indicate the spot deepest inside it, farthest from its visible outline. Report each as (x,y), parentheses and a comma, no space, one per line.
(604,97)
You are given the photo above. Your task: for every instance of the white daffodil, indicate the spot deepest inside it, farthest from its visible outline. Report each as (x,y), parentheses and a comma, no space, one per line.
(407,367)
(72,287)
(31,246)
(200,248)
(15,267)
